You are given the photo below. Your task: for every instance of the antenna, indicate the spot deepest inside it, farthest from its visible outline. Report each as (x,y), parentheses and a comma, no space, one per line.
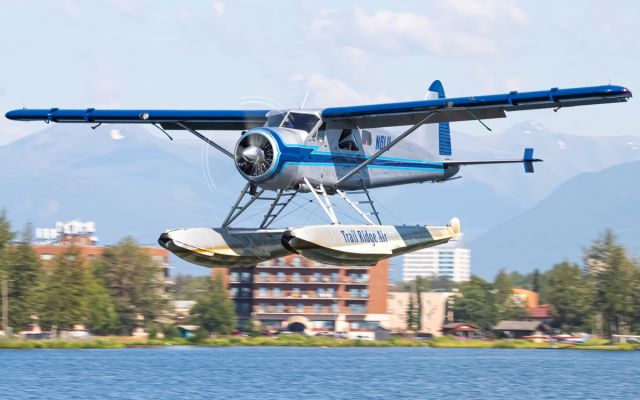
(304,101)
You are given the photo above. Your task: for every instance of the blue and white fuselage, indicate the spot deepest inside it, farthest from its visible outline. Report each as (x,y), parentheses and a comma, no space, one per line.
(324,154)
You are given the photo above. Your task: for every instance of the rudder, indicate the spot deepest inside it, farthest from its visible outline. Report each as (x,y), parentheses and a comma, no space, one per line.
(436,91)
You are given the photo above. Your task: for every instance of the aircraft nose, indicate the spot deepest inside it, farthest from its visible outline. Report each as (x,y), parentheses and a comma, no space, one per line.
(252,154)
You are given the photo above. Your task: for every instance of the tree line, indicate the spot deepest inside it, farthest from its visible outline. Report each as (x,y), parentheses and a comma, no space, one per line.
(601,296)
(116,292)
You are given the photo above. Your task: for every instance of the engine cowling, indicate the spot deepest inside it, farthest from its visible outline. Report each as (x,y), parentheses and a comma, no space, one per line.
(256,155)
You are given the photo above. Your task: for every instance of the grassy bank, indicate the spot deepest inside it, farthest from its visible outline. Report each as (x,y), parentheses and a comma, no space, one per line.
(304,341)
(60,344)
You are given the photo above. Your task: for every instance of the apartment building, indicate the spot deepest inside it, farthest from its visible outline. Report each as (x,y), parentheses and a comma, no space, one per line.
(296,294)
(449,260)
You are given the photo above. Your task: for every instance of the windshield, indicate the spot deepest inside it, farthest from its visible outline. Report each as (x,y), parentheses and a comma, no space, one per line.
(274,120)
(305,122)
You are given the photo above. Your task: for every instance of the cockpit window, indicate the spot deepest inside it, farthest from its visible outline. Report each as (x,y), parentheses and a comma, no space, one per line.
(305,122)
(274,120)
(347,140)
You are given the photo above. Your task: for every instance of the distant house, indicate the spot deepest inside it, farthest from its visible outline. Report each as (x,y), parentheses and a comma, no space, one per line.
(540,313)
(187,331)
(520,329)
(465,329)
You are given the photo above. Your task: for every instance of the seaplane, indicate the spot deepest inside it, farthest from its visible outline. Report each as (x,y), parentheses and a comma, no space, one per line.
(334,153)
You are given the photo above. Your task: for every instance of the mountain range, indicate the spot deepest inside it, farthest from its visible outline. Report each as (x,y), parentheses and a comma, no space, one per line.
(134,181)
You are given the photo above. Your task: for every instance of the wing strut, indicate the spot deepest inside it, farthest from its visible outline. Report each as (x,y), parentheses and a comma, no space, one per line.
(205,139)
(384,150)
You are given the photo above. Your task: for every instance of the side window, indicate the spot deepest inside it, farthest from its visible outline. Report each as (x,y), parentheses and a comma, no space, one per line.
(347,140)
(321,134)
(366,138)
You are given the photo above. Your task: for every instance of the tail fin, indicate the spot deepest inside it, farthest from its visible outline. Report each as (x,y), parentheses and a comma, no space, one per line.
(528,160)
(436,91)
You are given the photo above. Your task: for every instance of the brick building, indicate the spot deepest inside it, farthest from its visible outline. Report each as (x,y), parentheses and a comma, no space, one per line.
(51,242)
(297,294)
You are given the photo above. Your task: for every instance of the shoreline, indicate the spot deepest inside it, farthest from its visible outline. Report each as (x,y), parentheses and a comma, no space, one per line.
(305,341)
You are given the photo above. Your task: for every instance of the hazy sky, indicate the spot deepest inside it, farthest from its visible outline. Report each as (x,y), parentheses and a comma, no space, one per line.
(248,54)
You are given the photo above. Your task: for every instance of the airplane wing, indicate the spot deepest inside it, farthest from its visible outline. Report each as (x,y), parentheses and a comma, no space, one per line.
(168,119)
(448,109)
(470,108)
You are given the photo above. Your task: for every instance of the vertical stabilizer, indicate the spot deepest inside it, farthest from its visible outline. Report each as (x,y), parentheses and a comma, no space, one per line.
(436,91)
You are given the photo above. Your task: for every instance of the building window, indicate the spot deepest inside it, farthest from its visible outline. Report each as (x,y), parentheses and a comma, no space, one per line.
(335,277)
(234,277)
(233,291)
(320,292)
(245,292)
(327,325)
(300,307)
(280,276)
(354,293)
(296,277)
(243,308)
(331,292)
(296,292)
(364,325)
(296,261)
(358,309)
(46,257)
(245,277)
(317,308)
(277,292)
(264,277)
(264,292)
(364,293)
(335,308)
(317,276)
(280,308)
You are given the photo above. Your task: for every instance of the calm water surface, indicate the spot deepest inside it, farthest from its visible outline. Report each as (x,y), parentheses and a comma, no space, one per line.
(315,373)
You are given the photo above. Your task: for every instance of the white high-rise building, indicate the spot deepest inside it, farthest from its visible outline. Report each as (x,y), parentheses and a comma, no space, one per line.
(447,260)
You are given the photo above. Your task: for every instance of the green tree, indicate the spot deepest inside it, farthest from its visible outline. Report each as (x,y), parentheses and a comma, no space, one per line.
(6,235)
(613,275)
(214,310)
(189,287)
(615,286)
(64,298)
(567,290)
(421,285)
(476,303)
(411,317)
(102,317)
(134,282)
(24,272)
(505,306)
(535,286)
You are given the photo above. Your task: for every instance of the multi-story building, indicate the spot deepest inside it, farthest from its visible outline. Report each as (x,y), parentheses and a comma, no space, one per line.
(53,241)
(446,260)
(437,310)
(297,294)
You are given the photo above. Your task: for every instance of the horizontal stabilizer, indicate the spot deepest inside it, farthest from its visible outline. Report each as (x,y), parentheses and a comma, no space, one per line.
(527,160)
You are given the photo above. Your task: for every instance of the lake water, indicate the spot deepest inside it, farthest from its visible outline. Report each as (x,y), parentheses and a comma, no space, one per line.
(185,373)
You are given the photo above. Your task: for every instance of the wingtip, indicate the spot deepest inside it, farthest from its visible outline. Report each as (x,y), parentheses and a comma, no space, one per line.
(12,115)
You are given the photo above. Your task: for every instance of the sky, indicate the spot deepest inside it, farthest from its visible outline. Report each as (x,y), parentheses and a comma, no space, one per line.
(256,54)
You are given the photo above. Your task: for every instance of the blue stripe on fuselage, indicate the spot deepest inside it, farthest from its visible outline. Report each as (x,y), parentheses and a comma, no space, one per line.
(296,154)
